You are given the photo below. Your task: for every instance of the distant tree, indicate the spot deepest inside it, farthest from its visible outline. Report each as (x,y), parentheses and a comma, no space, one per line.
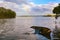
(56,11)
(6,13)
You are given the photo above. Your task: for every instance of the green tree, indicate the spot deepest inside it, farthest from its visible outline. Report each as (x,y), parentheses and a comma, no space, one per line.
(56,11)
(6,13)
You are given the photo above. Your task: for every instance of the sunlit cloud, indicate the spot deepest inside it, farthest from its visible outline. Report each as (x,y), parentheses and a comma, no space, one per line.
(26,7)
(29,8)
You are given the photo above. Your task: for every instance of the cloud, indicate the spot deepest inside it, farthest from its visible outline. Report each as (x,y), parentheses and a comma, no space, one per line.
(43,8)
(28,9)
(18,1)
(13,6)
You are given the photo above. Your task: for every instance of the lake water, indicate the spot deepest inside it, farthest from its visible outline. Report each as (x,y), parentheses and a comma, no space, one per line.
(19,28)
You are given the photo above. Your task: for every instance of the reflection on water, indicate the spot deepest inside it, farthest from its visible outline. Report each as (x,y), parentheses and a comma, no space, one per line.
(40,37)
(6,25)
(19,28)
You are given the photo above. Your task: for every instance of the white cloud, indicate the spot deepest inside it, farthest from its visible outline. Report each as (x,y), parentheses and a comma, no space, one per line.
(30,8)
(26,7)
(43,8)
(19,9)
(18,1)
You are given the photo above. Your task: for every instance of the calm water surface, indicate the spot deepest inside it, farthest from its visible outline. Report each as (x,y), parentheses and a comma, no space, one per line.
(19,28)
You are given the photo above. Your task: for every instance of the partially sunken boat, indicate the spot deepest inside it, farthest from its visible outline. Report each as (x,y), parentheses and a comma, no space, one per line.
(42,30)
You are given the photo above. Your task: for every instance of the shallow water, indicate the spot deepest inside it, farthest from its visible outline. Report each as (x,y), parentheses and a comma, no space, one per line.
(19,28)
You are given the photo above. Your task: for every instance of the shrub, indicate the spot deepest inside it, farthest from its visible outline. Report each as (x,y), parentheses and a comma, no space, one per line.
(6,13)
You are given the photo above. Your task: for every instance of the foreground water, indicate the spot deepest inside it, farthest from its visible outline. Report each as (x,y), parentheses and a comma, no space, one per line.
(19,28)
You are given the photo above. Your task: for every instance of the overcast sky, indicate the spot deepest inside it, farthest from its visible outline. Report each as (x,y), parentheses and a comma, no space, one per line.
(30,7)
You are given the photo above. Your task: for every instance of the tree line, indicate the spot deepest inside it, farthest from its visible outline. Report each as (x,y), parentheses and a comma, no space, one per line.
(6,13)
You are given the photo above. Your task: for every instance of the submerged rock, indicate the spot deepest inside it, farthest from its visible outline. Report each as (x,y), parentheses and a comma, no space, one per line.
(43,31)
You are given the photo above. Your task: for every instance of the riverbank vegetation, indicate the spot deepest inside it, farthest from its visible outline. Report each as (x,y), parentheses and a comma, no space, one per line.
(6,13)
